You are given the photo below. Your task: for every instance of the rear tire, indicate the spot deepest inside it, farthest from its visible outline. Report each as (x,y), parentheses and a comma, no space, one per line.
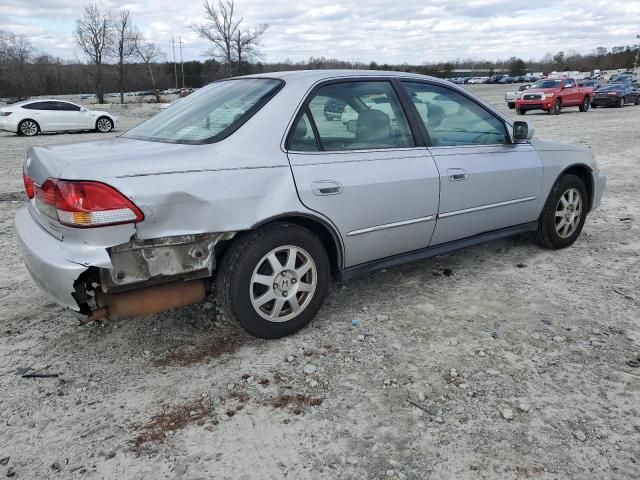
(28,128)
(593,105)
(282,262)
(621,102)
(637,102)
(564,213)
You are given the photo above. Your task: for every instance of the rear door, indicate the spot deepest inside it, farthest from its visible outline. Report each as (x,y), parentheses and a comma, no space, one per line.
(571,93)
(45,114)
(486,182)
(365,171)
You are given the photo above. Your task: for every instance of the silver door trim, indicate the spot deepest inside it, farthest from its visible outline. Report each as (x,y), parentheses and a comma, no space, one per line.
(391,225)
(485,207)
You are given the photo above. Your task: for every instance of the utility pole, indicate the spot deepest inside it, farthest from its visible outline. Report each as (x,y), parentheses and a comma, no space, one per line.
(175,68)
(635,68)
(181,63)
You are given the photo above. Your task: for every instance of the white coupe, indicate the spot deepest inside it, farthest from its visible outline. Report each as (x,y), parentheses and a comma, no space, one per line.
(35,116)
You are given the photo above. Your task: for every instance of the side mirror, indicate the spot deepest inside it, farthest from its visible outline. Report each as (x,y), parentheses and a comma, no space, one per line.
(522,131)
(82,109)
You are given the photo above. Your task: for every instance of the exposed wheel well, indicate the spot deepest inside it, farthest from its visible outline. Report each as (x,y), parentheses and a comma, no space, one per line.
(584,173)
(327,235)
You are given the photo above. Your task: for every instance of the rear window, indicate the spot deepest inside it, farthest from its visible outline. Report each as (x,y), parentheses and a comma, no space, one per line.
(210,114)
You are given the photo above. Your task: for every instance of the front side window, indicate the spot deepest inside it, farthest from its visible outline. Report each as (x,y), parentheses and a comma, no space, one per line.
(355,116)
(451,119)
(67,107)
(569,84)
(209,114)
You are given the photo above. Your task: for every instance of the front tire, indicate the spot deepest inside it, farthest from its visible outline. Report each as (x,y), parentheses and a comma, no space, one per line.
(104,125)
(28,128)
(557,108)
(564,213)
(520,111)
(274,280)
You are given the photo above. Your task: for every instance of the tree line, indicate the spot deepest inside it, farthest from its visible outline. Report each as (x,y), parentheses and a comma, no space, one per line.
(117,58)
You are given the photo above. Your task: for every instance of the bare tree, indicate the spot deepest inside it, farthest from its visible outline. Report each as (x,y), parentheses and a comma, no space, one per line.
(149,53)
(94,36)
(221,30)
(124,46)
(16,54)
(246,43)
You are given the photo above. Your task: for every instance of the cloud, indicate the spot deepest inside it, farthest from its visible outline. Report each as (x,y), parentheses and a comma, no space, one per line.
(412,31)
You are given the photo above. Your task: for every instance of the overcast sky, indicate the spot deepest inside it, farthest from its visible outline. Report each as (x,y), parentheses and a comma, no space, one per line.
(392,31)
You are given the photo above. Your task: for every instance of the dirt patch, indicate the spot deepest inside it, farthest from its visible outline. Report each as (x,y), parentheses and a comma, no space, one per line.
(170,419)
(13,197)
(190,355)
(295,403)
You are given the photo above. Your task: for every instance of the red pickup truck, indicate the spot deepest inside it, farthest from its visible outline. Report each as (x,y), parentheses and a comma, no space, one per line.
(554,94)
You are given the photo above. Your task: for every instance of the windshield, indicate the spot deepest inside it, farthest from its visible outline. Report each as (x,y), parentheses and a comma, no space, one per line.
(547,84)
(209,114)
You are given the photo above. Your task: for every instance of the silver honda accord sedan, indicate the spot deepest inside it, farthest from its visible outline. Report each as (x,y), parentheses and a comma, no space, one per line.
(262,188)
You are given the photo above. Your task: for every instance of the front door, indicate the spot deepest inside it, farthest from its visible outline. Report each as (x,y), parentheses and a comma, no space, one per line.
(362,170)
(486,182)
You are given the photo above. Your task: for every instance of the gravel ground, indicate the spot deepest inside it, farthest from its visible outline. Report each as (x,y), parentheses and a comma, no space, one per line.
(515,359)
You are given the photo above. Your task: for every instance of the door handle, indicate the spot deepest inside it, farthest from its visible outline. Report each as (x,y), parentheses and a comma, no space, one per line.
(457,174)
(326,187)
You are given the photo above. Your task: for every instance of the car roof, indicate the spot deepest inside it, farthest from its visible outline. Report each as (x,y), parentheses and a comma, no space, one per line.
(313,76)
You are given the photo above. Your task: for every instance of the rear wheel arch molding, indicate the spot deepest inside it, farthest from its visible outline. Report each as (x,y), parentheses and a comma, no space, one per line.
(326,231)
(584,173)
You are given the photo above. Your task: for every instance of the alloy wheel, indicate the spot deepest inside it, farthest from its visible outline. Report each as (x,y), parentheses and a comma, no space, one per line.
(29,128)
(104,125)
(283,283)
(568,213)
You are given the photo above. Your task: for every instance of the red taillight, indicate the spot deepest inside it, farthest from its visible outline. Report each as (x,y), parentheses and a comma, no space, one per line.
(28,186)
(612,93)
(85,203)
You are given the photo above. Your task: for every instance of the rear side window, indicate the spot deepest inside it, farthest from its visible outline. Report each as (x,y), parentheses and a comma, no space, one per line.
(40,106)
(353,116)
(210,114)
(302,138)
(452,119)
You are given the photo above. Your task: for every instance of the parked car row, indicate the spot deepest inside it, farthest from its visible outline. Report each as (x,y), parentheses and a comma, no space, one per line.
(495,79)
(555,94)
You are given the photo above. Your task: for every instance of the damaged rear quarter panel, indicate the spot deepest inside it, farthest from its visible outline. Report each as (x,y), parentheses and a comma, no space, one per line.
(204,201)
